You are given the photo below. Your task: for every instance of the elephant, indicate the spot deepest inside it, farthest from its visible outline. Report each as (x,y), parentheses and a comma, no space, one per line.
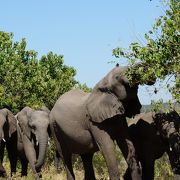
(83,123)
(57,162)
(8,139)
(33,128)
(153,134)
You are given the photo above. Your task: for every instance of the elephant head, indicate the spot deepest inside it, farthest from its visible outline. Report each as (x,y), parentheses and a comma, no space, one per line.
(7,124)
(112,96)
(168,127)
(34,125)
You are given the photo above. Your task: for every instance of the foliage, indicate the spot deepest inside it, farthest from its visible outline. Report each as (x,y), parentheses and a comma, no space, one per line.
(160,56)
(84,87)
(27,81)
(163,168)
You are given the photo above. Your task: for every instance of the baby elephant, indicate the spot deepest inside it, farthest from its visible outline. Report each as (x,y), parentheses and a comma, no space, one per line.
(33,126)
(153,134)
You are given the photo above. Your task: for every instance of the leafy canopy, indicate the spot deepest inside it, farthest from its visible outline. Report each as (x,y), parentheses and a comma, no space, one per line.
(26,80)
(160,56)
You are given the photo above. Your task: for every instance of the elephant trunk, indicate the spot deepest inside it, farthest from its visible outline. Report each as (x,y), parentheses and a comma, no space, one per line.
(1,134)
(43,140)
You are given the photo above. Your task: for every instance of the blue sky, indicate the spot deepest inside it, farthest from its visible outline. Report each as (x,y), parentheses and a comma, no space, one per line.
(85,32)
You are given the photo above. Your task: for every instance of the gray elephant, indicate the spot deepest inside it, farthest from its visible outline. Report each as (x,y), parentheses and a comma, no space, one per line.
(33,127)
(8,139)
(84,123)
(153,134)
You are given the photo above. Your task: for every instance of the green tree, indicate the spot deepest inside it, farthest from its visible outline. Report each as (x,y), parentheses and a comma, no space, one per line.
(27,81)
(159,57)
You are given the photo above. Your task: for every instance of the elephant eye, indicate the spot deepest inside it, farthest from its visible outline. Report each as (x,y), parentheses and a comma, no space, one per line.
(117,77)
(33,127)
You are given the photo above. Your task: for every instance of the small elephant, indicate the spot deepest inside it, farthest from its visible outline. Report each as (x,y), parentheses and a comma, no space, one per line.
(33,127)
(83,123)
(153,134)
(8,138)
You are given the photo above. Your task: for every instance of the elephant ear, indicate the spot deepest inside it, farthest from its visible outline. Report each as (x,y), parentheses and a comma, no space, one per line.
(12,123)
(22,118)
(102,105)
(45,109)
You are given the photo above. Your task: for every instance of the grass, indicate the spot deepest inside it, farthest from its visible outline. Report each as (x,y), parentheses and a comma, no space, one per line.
(162,169)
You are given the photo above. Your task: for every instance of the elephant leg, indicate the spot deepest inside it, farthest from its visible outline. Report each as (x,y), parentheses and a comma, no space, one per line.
(2,146)
(147,169)
(2,170)
(13,161)
(63,152)
(128,150)
(67,157)
(11,147)
(68,166)
(57,162)
(127,175)
(24,166)
(88,166)
(107,147)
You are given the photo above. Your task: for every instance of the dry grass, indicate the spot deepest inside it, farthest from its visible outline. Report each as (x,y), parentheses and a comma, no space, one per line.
(162,170)
(49,173)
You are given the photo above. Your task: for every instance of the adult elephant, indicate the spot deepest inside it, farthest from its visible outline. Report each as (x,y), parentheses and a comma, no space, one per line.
(84,123)
(33,127)
(153,134)
(8,139)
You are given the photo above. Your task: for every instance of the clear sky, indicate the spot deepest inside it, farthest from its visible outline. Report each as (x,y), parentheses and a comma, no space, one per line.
(84,31)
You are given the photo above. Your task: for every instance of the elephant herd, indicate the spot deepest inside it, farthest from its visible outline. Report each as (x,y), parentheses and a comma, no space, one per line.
(83,123)
(25,136)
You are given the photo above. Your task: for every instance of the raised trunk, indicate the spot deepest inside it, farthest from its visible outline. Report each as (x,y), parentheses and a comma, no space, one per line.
(43,140)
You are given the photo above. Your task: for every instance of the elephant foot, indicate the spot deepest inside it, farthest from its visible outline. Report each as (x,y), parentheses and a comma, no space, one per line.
(176,177)
(3,174)
(23,174)
(2,170)
(136,176)
(58,170)
(38,176)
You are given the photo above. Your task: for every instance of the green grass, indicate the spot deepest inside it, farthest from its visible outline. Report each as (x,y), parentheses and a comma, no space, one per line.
(162,169)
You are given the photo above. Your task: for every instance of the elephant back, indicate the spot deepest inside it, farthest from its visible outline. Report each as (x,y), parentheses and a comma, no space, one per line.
(70,107)
(146,117)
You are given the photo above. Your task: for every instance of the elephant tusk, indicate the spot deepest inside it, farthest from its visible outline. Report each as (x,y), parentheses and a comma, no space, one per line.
(170,149)
(37,143)
(49,141)
(3,139)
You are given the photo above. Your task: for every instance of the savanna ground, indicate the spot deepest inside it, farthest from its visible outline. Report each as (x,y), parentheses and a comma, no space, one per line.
(162,168)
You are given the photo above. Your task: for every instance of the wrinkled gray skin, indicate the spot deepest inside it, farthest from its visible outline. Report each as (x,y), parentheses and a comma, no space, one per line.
(153,135)
(32,138)
(84,123)
(8,138)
